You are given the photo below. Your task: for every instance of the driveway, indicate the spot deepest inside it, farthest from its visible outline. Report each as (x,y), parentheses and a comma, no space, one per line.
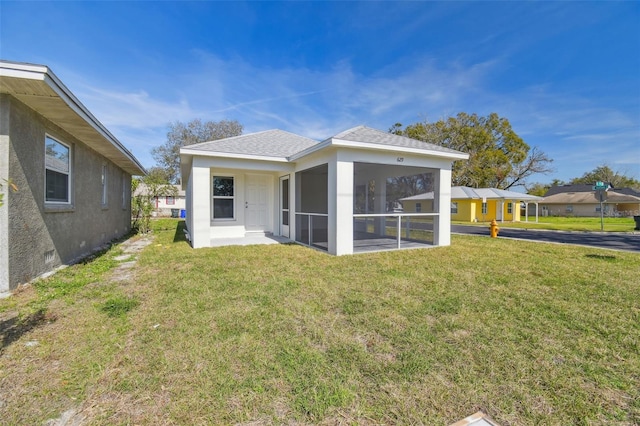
(608,240)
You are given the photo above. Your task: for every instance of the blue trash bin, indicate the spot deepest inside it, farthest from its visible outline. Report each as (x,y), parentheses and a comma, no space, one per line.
(183,213)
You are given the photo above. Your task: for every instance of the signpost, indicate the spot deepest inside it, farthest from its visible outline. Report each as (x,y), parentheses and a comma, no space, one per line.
(601,188)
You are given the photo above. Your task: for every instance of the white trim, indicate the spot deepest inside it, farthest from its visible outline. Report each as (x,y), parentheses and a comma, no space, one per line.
(232,155)
(69,173)
(281,226)
(397,148)
(225,197)
(104,181)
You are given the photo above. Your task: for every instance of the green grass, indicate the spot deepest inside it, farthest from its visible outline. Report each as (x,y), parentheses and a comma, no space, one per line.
(529,333)
(611,224)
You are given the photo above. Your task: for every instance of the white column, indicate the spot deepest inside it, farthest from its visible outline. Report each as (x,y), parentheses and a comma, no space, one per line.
(201,202)
(442,205)
(380,204)
(340,182)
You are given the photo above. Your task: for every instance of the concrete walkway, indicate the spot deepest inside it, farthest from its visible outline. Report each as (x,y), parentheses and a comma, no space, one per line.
(249,240)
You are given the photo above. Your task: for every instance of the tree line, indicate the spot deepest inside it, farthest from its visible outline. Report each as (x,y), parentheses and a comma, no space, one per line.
(498,156)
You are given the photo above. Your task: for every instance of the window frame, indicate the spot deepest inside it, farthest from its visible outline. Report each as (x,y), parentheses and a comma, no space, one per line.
(69,173)
(454,207)
(124,191)
(485,208)
(104,184)
(223,197)
(170,200)
(509,208)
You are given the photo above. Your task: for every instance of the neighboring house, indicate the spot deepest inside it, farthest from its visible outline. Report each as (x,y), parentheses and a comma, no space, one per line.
(73,176)
(583,201)
(331,195)
(478,204)
(166,205)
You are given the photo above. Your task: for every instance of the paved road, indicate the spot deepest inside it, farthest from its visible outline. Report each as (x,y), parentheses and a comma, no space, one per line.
(610,240)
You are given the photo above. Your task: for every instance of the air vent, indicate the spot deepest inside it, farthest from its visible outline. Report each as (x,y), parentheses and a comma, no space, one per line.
(49,256)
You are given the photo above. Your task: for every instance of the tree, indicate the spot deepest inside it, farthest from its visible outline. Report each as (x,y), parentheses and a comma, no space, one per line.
(181,134)
(154,184)
(604,173)
(12,186)
(498,157)
(538,189)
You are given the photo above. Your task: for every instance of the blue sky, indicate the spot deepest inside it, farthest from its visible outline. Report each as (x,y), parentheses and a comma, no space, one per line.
(565,74)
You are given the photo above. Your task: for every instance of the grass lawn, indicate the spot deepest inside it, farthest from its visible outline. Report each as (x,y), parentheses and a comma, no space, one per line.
(611,224)
(529,333)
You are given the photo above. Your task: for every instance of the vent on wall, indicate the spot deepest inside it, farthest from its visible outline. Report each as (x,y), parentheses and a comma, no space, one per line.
(49,256)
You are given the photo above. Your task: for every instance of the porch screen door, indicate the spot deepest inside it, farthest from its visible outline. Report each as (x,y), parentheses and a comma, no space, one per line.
(284,206)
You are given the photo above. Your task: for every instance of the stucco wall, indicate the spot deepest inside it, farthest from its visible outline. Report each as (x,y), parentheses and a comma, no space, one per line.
(41,236)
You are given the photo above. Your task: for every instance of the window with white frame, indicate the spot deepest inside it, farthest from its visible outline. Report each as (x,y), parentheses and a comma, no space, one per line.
(454,207)
(124,191)
(223,197)
(484,208)
(418,207)
(57,166)
(510,208)
(104,185)
(170,201)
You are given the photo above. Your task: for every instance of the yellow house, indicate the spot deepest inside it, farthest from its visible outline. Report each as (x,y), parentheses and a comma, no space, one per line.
(477,204)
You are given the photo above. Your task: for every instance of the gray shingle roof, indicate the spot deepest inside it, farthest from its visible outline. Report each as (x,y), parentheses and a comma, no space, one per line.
(589,198)
(368,135)
(270,143)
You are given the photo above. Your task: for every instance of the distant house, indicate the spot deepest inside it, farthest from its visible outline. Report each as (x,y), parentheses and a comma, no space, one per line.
(583,201)
(478,204)
(331,195)
(166,205)
(73,176)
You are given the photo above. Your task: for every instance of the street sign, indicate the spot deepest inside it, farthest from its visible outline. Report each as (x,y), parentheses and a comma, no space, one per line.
(601,186)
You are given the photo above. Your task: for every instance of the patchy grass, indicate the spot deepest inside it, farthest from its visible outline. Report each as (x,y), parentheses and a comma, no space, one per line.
(527,332)
(554,223)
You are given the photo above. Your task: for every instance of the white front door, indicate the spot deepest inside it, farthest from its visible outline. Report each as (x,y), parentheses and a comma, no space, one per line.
(284,206)
(257,203)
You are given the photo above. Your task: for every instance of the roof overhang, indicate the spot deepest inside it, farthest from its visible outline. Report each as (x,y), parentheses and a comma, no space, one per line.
(38,87)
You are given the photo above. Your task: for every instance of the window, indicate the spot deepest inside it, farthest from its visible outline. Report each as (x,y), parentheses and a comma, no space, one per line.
(124,192)
(484,208)
(223,197)
(170,201)
(569,209)
(510,208)
(104,185)
(454,207)
(418,207)
(57,166)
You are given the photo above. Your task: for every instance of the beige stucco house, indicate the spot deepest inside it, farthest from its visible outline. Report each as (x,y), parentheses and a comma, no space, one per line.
(73,177)
(333,195)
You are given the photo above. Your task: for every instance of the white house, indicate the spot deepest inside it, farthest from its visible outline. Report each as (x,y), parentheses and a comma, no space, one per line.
(331,195)
(166,205)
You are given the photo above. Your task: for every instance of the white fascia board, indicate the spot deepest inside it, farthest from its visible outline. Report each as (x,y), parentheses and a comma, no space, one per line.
(24,71)
(187,151)
(310,150)
(394,148)
(77,107)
